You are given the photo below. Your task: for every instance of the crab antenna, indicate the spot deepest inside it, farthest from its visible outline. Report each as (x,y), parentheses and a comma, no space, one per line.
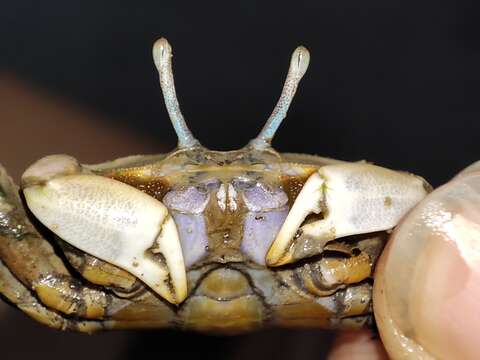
(162,56)
(298,66)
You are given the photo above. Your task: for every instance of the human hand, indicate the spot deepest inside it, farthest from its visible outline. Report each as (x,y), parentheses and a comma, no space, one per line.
(427,283)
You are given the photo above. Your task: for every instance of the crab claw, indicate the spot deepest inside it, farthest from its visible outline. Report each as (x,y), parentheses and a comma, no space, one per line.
(341,200)
(110,220)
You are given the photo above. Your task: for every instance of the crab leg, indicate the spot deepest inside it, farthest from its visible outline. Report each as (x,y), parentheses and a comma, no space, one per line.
(20,296)
(99,272)
(133,316)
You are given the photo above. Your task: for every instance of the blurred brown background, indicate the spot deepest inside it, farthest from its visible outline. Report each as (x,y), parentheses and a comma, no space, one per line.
(392,82)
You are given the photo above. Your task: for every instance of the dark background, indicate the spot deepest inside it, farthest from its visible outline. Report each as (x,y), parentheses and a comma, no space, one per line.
(393,82)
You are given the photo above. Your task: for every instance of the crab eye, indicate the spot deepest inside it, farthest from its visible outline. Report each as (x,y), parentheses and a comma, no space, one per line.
(428,274)
(186,207)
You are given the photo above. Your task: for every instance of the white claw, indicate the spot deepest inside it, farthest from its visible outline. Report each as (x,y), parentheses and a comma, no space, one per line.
(352,198)
(114,222)
(308,201)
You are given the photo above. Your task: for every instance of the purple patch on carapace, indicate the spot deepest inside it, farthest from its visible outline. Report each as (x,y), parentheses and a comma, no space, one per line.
(190,200)
(260,229)
(193,236)
(260,198)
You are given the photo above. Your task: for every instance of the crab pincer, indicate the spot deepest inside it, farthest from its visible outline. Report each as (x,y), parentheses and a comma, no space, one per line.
(110,220)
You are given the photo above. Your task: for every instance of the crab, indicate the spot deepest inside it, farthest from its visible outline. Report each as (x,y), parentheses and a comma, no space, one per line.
(197,239)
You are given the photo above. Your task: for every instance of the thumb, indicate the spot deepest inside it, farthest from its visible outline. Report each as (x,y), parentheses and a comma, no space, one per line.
(427,282)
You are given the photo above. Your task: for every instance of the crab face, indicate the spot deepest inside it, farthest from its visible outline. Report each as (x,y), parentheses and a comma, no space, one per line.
(199,239)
